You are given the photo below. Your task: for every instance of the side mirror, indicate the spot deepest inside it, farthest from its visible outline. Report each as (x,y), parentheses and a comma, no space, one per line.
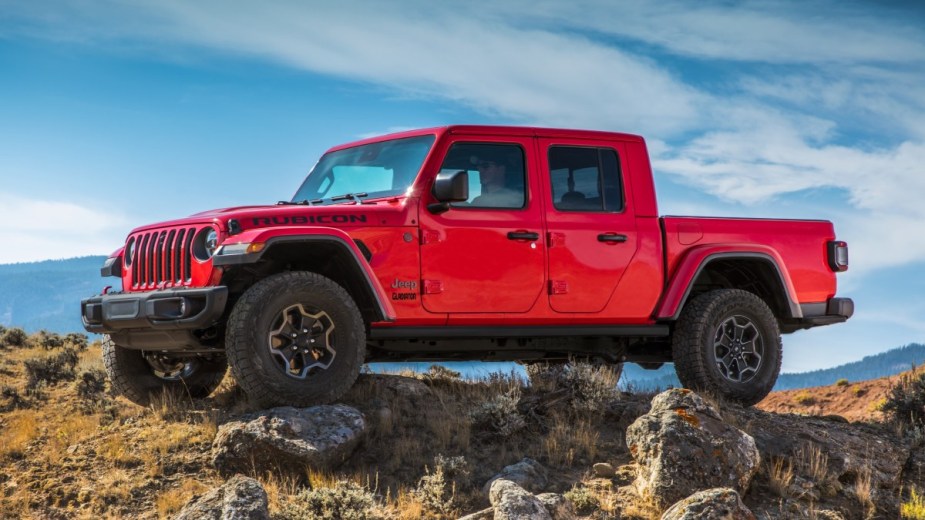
(449,187)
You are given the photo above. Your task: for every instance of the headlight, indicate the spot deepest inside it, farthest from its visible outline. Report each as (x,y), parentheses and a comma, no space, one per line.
(205,243)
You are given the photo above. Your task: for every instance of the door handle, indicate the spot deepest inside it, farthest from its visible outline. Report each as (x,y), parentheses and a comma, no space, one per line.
(611,238)
(523,235)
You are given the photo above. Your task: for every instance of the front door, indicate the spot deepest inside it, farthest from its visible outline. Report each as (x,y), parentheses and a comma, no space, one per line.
(486,255)
(591,224)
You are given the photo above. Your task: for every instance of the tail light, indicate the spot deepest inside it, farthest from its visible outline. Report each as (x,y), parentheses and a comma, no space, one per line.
(838,256)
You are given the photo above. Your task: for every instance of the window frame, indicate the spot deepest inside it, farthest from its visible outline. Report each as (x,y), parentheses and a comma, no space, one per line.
(526,176)
(600,179)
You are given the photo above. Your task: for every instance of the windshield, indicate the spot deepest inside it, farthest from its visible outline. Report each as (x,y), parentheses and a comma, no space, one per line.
(384,169)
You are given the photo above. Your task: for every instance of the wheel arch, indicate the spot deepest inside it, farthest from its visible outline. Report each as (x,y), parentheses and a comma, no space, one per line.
(330,255)
(759,272)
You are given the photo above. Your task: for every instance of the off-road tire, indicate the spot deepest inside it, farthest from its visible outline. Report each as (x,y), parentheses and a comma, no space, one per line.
(694,339)
(247,342)
(133,377)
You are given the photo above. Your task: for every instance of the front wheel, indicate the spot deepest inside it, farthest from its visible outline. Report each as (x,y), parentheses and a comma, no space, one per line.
(295,338)
(142,376)
(727,341)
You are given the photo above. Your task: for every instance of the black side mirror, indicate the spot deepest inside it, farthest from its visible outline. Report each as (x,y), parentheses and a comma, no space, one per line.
(449,187)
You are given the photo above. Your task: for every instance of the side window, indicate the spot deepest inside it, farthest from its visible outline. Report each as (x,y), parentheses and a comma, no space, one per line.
(585,179)
(496,174)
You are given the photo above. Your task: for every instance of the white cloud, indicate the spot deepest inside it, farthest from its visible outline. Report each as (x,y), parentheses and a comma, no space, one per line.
(51,230)
(794,81)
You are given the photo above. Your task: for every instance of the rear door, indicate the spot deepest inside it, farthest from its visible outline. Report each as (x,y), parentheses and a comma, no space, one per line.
(486,255)
(590,222)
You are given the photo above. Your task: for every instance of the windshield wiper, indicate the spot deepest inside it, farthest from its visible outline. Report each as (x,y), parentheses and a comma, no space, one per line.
(305,202)
(356,197)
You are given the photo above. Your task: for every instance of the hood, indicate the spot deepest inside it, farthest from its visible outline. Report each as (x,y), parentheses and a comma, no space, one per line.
(397,211)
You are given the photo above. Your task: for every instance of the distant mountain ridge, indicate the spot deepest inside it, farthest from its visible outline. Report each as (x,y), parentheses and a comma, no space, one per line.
(46,295)
(875,366)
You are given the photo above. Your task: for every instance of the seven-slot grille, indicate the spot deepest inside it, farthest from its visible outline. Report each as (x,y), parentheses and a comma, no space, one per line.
(163,257)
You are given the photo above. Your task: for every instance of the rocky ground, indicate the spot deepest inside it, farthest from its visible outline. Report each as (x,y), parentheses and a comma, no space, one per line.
(568,445)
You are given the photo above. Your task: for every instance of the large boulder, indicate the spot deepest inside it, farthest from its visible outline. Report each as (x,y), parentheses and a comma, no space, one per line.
(712,504)
(288,439)
(558,507)
(241,498)
(512,502)
(528,474)
(683,446)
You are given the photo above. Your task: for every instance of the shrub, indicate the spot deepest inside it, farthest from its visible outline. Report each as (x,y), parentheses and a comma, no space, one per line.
(10,399)
(583,499)
(804,398)
(437,489)
(90,384)
(858,391)
(345,501)
(591,387)
(499,414)
(914,508)
(51,369)
(15,337)
(841,382)
(442,372)
(905,403)
(77,340)
(48,340)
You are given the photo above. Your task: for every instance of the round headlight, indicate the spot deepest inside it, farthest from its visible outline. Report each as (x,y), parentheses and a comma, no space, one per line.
(129,252)
(205,243)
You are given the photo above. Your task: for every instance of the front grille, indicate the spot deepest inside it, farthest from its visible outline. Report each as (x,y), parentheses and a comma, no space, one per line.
(163,257)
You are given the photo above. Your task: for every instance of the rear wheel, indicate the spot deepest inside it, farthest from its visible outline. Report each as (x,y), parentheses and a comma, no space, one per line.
(297,339)
(141,376)
(727,341)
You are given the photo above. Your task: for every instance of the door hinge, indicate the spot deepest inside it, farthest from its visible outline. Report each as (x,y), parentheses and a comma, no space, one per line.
(558,287)
(433,286)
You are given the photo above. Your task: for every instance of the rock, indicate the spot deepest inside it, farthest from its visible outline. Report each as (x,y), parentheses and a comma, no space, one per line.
(485,514)
(848,451)
(512,502)
(528,474)
(558,507)
(288,439)
(712,504)
(241,498)
(603,470)
(683,446)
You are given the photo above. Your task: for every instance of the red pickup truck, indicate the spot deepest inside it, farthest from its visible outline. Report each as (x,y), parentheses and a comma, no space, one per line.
(462,243)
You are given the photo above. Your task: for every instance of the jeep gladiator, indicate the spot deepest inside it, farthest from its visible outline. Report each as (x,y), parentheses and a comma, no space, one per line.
(462,243)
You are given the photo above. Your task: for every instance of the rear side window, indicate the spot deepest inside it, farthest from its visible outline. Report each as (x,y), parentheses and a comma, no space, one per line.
(585,179)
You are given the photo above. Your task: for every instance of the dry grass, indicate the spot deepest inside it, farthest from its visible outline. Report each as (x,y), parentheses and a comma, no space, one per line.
(780,476)
(172,501)
(914,508)
(22,426)
(69,432)
(813,462)
(570,440)
(863,491)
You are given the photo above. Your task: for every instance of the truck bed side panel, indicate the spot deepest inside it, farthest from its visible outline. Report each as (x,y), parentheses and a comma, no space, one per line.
(801,245)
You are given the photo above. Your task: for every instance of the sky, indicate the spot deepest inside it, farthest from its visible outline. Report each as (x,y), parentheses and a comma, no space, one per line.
(115,114)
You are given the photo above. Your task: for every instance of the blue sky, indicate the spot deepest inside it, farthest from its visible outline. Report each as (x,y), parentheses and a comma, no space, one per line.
(114,114)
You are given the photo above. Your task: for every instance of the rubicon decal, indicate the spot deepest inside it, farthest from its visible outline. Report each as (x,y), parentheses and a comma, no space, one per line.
(308,219)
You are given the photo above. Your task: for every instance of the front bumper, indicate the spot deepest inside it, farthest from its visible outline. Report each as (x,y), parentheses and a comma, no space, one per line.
(171,309)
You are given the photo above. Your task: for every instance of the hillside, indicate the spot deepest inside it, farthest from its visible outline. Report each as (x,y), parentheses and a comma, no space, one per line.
(47,294)
(430,442)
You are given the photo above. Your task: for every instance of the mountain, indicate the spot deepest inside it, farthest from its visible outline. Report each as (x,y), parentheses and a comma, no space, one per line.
(884,364)
(46,295)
